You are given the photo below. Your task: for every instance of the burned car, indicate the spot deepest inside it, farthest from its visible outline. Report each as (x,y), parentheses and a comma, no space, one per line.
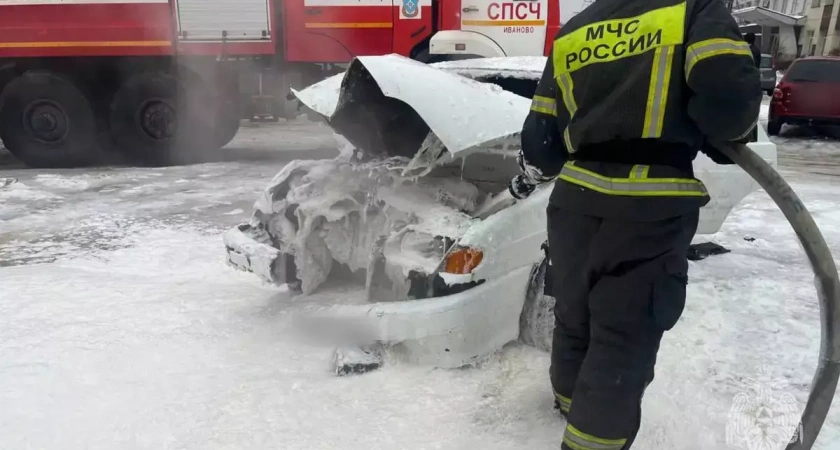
(423,148)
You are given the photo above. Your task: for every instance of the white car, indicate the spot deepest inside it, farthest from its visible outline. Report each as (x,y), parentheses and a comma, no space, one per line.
(428,144)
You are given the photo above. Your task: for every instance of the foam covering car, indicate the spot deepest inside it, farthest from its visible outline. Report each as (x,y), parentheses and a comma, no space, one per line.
(423,147)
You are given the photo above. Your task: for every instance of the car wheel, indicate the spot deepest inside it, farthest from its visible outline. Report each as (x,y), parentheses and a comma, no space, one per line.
(536,324)
(773,127)
(769,92)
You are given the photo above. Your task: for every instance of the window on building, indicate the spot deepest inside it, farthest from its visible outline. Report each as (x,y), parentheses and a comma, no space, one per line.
(815,3)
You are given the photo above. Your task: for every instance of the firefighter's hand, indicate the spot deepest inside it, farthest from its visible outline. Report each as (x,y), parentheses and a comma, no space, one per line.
(752,136)
(714,154)
(532,173)
(521,187)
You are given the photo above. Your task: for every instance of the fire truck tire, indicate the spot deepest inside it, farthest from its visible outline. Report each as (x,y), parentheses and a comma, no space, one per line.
(230,116)
(155,122)
(47,122)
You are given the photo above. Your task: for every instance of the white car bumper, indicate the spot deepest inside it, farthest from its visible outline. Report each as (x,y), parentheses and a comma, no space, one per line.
(448,331)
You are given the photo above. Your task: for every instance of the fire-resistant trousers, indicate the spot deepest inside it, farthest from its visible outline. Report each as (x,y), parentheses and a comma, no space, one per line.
(619,284)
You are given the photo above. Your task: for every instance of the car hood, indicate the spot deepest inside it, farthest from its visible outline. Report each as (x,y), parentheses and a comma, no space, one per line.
(519,67)
(436,105)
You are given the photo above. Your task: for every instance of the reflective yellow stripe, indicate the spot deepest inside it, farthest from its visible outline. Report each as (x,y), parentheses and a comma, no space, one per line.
(564,82)
(611,40)
(713,47)
(564,402)
(639,171)
(660,79)
(567,90)
(632,186)
(575,445)
(579,440)
(544,105)
(567,138)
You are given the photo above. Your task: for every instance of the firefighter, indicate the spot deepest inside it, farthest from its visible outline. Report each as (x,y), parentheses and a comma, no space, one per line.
(631,92)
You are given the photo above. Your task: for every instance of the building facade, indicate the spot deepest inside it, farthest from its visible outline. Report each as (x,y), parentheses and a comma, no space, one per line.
(791,28)
(778,25)
(821,35)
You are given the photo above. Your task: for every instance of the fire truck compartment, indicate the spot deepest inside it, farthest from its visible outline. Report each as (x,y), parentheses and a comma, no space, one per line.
(226,20)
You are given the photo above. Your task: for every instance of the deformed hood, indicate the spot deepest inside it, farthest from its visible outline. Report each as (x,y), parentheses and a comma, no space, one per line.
(394,105)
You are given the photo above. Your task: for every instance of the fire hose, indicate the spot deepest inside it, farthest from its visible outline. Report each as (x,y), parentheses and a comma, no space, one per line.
(827,284)
(824,383)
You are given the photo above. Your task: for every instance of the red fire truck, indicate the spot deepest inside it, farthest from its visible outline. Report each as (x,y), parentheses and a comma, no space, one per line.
(85,81)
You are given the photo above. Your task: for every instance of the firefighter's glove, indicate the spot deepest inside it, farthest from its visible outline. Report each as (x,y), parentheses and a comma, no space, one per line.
(534,174)
(714,154)
(521,187)
(752,136)
(711,148)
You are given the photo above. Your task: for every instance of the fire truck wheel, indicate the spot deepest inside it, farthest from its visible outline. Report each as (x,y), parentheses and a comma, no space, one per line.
(230,116)
(47,122)
(155,122)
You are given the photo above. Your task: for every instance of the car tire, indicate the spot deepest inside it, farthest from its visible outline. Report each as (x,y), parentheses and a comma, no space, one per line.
(769,92)
(774,127)
(70,141)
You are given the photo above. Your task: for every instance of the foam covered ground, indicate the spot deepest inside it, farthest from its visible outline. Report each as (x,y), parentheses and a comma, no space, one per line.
(121,327)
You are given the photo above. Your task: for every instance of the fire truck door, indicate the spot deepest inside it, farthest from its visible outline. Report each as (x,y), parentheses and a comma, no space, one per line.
(338,30)
(223,20)
(517,26)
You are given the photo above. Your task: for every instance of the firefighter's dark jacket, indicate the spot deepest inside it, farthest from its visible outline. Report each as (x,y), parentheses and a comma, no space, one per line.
(643,82)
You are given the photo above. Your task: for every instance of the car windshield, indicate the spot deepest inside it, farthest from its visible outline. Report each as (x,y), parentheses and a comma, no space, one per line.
(822,70)
(766,62)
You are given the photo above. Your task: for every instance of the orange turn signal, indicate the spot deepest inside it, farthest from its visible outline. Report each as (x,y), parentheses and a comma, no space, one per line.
(462,261)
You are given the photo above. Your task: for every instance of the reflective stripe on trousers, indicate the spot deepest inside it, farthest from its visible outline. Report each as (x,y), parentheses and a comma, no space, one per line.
(579,440)
(637,183)
(544,105)
(565,403)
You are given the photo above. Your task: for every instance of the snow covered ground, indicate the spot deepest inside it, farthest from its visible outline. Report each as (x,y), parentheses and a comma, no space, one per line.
(121,327)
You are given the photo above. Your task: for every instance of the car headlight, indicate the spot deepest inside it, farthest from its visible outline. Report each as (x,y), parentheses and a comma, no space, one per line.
(462,260)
